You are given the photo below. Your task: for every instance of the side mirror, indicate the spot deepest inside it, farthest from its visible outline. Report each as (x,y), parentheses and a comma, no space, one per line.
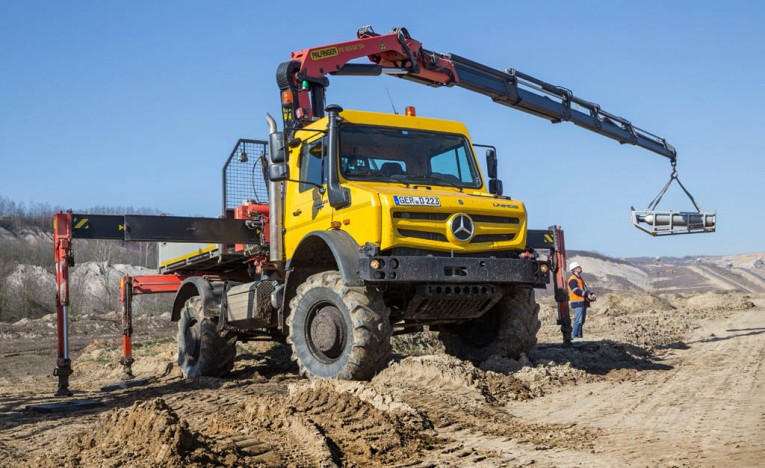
(276,148)
(491,163)
(495,187)
(278,172)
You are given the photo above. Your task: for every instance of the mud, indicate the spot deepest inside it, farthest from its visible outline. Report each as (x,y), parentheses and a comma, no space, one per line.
(591,404)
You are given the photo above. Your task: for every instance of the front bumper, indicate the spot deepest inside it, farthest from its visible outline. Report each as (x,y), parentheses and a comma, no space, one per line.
(427,269)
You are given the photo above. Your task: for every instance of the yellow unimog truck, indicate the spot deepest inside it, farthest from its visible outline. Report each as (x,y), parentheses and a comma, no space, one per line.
(347,227)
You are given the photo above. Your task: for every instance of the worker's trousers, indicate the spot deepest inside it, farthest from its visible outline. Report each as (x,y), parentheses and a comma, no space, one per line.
(580,314)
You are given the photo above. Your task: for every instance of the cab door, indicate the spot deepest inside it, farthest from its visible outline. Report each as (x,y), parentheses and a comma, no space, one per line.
(306,208)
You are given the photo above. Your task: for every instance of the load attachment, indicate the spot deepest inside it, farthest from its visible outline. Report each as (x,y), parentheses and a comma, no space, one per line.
(667,223)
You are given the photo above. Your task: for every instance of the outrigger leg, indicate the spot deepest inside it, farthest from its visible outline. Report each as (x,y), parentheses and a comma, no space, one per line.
(126,298)
(62,240)
(559,283)
(552,240)
(131,286)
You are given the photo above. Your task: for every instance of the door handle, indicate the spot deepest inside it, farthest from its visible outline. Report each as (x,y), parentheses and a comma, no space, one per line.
(297,212)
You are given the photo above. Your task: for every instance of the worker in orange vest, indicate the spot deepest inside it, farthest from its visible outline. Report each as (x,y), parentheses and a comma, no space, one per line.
(579,298)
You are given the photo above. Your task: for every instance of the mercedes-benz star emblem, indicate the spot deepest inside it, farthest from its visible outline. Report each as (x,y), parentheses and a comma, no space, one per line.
(462,227)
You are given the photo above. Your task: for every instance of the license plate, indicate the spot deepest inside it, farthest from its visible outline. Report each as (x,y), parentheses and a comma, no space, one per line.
(417,201)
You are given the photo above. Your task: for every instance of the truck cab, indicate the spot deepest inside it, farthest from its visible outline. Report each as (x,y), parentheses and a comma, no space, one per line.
(414,184)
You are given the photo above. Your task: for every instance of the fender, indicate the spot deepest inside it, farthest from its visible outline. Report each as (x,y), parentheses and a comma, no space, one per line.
(210,292)
(323,247)
(320,251)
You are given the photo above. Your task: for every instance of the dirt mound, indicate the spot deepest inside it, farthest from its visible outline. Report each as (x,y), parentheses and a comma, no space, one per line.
(438,370)
(460,379)
(551,366)
(630,303)
(147,433)
(536,377)
(716,301)
(653,330)
(598,357)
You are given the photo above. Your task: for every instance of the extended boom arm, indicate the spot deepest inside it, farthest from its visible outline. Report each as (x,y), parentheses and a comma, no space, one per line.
(303,81)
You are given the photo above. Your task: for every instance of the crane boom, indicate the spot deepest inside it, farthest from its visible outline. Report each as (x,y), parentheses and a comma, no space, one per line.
(303,80)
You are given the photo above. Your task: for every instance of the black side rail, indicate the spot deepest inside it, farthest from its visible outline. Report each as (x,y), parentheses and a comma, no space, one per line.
(147,228)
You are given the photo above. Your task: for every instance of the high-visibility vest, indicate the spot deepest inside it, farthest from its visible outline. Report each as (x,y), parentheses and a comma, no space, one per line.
(572,296)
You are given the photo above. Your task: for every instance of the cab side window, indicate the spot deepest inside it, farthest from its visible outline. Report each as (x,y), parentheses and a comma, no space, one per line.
(313,164)
(453,164)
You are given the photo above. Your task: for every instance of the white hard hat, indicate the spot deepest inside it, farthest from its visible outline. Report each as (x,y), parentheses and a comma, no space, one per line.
(573,265)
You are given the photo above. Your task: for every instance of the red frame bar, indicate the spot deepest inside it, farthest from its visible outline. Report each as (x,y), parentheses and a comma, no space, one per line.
(131,286)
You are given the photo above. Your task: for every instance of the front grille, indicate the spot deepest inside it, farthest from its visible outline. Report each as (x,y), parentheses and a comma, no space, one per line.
(494,219)
(433,226)
(434,236)
(493,238)
(421,216)
(478,218)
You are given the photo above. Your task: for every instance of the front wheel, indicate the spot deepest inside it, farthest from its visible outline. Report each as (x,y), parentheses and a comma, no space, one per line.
(203,349)
(507,329)
(338,331)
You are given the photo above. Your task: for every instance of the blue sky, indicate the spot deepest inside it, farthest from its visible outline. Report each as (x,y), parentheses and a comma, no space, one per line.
(139,103)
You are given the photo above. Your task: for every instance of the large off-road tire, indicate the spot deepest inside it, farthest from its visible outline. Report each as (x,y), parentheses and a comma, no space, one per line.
(203,349)
(509,328)
(338,331)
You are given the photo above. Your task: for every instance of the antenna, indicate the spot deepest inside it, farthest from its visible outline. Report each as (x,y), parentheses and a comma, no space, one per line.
(391,101)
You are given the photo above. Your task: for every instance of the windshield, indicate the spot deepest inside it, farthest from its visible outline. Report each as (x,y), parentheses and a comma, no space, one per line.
(408,156)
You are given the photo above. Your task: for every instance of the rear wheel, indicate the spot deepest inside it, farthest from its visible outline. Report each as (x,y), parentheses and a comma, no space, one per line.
(507,329)
(203,349)
(338,331)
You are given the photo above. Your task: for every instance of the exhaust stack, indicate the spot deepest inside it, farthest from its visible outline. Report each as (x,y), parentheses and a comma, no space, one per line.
(276,198)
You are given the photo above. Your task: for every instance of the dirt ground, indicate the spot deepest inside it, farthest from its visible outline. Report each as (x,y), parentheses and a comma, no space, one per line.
(675,380)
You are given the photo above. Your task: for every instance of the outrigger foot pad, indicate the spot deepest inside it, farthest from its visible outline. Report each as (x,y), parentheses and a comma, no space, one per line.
(63,371)
(126,384)
(71,405)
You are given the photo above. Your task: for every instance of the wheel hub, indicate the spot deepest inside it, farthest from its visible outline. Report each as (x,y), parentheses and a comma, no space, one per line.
(328,331)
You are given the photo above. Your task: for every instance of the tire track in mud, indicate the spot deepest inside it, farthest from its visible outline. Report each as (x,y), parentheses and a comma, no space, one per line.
(337,427)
